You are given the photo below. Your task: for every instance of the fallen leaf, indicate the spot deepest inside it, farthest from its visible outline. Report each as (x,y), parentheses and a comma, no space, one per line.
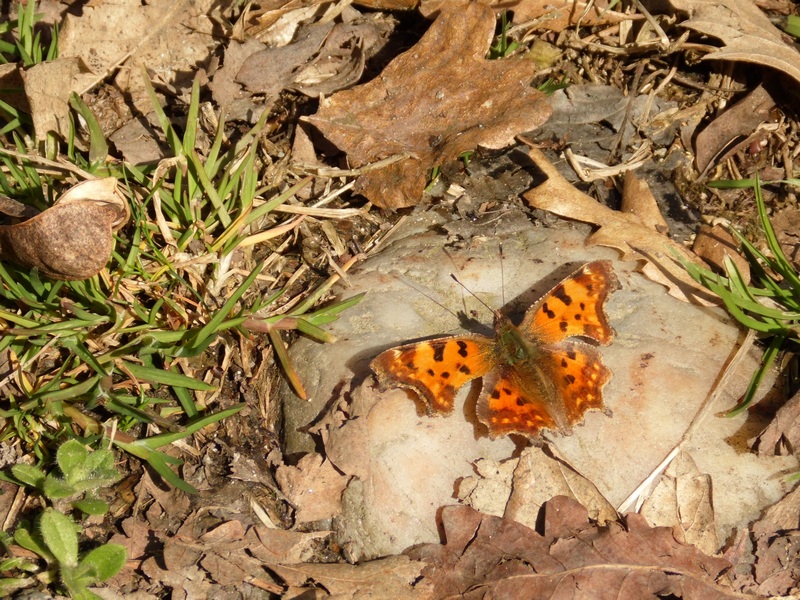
(782,435)
(270,70)
(786,223)
(541,474)
(388,4)
(48,86)
(340,62)
(746,32)
(392,577)
(282,546)
(314,487)
(434,102)
(227,92)
(623,231)
(733,129)
(551,15)
(682,500)
(714,244)
(488,490)
(769,552)
(485,556)
(170,38)
(73,238)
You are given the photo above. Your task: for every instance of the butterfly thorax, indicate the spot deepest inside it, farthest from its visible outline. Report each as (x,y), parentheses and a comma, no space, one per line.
(512,345)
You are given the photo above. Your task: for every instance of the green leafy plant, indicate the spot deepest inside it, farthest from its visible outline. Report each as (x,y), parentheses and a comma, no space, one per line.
(83,474)
(120,344)
(770,305)
(55,539)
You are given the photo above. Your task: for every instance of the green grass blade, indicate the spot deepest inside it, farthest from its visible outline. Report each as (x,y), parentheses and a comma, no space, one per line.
(170,378)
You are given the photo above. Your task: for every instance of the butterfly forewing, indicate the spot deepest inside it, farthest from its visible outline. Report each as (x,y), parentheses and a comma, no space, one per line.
(436,369)
(575,307)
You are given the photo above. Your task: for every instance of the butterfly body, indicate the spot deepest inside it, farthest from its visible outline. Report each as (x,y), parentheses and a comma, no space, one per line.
(535,376)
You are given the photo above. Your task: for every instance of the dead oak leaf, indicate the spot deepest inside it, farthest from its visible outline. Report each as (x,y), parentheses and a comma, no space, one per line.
(634,232)
(486,556)
(434,102)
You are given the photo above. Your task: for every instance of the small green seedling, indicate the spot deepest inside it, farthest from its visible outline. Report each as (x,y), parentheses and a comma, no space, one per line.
(504,45)
(84,473)
(55,539)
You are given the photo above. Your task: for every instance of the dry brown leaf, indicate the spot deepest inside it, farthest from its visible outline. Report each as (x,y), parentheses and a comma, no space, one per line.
(282,546)
(782,435)
(392,577)
(270,70)
(768,555)
(277,23)
(552,15)
(682,500)
(486,556)
(388,4)
(746,32)
(786,223)
(435,101)
(73,238)
(324,58)
(168,37)
(314,487)
(736,126)
(48,86)
(713,244)
(623,231)
(542,474)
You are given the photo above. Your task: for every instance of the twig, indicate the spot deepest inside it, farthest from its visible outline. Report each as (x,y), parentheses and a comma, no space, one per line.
(635,500)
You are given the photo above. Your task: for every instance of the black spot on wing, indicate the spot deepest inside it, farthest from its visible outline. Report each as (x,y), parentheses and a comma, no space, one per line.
(438,352)
(562,295)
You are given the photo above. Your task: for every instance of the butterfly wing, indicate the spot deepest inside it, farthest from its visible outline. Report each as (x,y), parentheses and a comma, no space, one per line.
(510,404)
(436,369)
(553,392)
(574,307)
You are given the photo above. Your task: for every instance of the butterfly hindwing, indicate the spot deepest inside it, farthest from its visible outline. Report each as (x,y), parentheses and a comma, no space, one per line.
(436,369)
(578,375)
(509,404)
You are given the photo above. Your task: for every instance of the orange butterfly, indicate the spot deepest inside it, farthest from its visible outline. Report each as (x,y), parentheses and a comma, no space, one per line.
(535,376)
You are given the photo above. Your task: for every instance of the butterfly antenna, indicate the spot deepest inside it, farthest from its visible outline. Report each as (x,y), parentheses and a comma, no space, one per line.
(471,293)
(502,275)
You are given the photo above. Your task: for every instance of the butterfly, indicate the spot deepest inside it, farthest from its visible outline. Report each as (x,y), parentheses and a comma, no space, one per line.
(535,376)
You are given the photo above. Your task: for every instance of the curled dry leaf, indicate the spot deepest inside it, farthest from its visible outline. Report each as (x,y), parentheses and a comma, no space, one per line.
(434,102)
(635,237)
(746,32)
(734,129)
(73,238)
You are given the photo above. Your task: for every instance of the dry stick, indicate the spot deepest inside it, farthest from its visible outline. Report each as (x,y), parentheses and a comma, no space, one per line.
(380,164)
(38,160)
(635,500)
(615,150)
(179,6)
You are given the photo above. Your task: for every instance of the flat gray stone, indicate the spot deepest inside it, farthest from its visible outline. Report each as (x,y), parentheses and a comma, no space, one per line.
(404,465)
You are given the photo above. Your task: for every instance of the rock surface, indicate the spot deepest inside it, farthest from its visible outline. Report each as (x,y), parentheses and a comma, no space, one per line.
(404,465)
